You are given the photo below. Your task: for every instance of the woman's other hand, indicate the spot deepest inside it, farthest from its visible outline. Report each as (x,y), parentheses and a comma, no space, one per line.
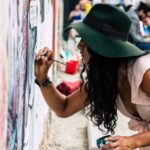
(120,143)
(43,61)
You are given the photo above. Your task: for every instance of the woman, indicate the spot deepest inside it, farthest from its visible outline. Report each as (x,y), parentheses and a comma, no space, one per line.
(118,76)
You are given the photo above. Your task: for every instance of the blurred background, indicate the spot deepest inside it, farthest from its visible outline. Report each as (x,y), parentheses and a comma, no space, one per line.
(26,123)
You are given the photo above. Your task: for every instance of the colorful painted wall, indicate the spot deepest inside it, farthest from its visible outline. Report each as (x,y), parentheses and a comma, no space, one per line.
(3,75)
(27,26)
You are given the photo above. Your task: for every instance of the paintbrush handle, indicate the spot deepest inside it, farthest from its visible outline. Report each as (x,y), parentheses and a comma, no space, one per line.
(55,60)
(59,62)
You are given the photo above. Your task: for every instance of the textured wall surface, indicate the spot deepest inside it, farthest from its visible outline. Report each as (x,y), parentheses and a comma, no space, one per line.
(3,74)
(26,26)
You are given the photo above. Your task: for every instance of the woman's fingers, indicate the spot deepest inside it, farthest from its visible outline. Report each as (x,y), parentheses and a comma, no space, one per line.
(117,148)
(42,52)
(45,51)
(47,57)
(43,60)
(38,55)
(112,138)
(105,147)
(114,144)
(114,141)
(50,55)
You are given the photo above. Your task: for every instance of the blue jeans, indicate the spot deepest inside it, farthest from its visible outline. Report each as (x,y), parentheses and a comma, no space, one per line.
(143,46)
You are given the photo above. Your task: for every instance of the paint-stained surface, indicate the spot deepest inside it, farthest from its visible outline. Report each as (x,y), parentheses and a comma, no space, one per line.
(3,74)
(20,56)
(26,26)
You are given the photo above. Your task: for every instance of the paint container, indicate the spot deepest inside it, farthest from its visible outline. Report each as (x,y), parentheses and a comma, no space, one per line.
(71,66)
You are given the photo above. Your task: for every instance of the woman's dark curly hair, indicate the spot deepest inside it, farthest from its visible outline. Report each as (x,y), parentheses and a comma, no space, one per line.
(101,87)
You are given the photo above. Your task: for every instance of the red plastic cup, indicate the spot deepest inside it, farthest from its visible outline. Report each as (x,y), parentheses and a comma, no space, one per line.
(71,67)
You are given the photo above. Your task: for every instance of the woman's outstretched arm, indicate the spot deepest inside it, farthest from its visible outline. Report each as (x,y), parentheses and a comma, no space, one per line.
(62,105)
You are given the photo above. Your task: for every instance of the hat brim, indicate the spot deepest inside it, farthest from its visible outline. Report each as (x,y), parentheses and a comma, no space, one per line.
(105,45)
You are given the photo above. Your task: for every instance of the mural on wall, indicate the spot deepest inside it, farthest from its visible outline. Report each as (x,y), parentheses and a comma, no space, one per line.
(3,75)
(20,113)
(21,42)
(3,100)
(2,103)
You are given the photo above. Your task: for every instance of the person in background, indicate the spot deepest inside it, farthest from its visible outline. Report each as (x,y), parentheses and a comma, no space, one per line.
(83,13)
(117,77)
(147,20)
(141,11)
(86,4)
(75,15)
(135,35)
(147,23)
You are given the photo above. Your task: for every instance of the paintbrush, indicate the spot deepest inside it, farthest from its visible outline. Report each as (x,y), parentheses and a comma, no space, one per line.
(44,55)
(59,62)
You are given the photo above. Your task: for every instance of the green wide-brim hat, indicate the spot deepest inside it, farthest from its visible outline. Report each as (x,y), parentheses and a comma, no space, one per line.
(105,30)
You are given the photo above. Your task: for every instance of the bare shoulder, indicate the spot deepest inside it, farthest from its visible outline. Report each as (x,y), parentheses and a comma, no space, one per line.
(145,85)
